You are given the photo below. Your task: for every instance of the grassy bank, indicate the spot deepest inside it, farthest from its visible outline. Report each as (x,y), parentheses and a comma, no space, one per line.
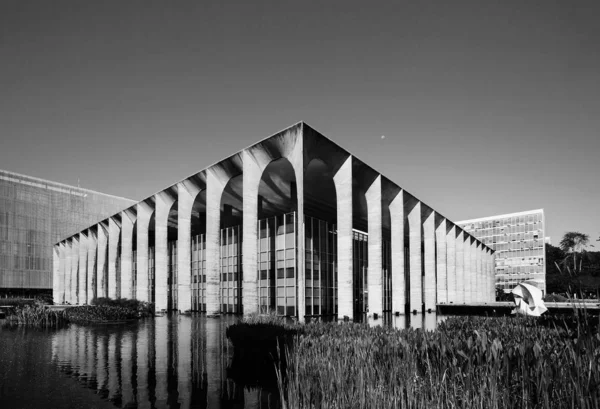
(468,362)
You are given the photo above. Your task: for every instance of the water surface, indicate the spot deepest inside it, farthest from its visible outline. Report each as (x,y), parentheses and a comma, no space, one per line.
(164,362)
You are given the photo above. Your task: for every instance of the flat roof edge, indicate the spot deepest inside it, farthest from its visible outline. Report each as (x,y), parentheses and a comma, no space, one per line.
(58,184)
(500,216)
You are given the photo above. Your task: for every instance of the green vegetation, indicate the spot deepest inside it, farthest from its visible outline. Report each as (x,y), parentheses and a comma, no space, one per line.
(108,310)
(257,340)
(103,310)
(36,316)
(468,362)
(562,279)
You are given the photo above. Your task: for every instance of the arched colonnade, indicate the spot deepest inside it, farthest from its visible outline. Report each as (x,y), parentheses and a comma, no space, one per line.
(293,224)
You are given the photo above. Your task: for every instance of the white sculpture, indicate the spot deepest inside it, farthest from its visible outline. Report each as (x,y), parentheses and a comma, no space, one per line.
(528,300)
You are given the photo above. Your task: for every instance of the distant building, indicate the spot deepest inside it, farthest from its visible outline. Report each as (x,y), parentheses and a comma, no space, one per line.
(35,214)
(519,241)
(294,224)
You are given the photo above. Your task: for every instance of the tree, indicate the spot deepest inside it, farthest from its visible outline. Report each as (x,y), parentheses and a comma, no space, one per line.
(574,243)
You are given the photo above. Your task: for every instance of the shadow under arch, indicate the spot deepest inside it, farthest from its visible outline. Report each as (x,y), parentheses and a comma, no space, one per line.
(198,252)
(230,239)
(172,225)
(277,262)
(320,208)
(151,257)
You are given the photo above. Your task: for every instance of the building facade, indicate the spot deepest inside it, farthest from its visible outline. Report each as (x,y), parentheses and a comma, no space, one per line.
(294,224)
(519,242)
(35,214)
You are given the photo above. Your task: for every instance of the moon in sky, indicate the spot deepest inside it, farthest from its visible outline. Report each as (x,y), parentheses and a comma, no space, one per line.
(382,136)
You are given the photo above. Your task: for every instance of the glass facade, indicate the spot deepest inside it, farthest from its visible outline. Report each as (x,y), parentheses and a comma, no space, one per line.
(320,267)
(172,275)
(151,267)
(277,264)
(35,214)
(518,240)
(360,249)
(231,270)
(198,281)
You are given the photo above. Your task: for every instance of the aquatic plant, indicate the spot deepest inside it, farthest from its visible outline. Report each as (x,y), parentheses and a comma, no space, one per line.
(100,313)
(468,362)
(35,316)
(144,308)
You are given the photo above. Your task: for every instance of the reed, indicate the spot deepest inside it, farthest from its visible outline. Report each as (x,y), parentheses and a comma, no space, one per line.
(36,316)
(467,362)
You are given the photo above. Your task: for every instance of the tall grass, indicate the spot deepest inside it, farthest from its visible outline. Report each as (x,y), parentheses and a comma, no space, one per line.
(472,362)
(36,316)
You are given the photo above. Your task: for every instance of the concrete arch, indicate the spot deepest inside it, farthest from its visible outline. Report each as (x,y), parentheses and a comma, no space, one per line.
(145,211)
(188,191)
(165,201)
(114,253)
(217,177)
(287,145)
(128,219)
(91,266)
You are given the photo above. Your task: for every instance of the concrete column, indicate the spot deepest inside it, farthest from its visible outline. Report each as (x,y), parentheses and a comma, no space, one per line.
(67,270)
(473,255)
(82,288)
(343,187)
(61,272)
(114,238)
(101,265)
(397,215)
(480,284)
(416,262)
(492,273)
(144,214)
(441,260)
(460,267)
(164,202)
(467,271)
(74,269)
(55,273)
(375,246)
(296,158)
(127,220)
(214,190)
(186,195)
(429,283)
(252,174)
(92,279)
(451,262)
(491,296)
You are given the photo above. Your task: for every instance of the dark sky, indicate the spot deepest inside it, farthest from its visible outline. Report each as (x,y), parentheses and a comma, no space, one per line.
(486,107)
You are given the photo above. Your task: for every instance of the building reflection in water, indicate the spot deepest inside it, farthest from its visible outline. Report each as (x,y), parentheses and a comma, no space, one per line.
(171,362)
(168,362)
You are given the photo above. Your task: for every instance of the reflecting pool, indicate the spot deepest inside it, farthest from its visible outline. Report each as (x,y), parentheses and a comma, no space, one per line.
(166,362)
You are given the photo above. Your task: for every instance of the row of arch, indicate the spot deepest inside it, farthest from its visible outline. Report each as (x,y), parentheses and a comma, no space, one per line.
(199,245)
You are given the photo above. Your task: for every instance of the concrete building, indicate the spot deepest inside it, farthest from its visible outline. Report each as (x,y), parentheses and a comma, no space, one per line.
(519,242)
(35,214)
(293,224)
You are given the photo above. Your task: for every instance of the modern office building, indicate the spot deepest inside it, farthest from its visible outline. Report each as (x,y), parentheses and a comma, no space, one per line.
(35,214)
(519,242)
(293,224)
